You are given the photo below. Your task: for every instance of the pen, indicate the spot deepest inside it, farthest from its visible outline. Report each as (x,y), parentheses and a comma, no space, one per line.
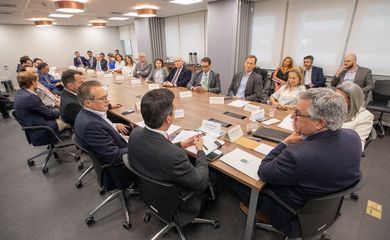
(254,138)
(205,147)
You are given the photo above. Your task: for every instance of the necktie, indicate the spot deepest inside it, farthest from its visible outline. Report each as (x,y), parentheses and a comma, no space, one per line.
(99,68)
(174,80)
(205,82)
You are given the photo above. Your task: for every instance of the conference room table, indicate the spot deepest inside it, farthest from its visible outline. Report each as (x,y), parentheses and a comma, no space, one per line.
(128,92)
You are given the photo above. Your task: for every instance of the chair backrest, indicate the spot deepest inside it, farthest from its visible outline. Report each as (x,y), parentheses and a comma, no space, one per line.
(381,91)
(318,214)
(161,197)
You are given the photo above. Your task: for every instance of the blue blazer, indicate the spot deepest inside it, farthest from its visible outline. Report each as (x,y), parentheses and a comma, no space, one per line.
(183,79)
(77,63)
(323,163)
(317,77)
(96,135)
(49,82)
(30,110)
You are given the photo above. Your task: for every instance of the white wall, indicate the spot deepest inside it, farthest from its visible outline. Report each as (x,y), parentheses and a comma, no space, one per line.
(144,43)
(55,45)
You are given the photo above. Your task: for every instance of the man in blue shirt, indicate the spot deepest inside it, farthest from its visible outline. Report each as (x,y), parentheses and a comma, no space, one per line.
(48,80)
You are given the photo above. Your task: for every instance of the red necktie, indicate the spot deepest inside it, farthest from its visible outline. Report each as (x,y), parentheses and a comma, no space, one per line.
(174,80)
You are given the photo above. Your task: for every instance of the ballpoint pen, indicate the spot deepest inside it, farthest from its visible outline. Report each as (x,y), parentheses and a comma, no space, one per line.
(255,138)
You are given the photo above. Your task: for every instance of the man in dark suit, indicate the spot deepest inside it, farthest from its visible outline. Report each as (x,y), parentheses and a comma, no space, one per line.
(31,111)
(152,153)
(100,64)
(205,80)
(94,130)
(318,158)
(70,106)
(179,76)
(247,85)
(91,59)
(47,80)
(352,72)
(80,61)
(142,68)
(314,76)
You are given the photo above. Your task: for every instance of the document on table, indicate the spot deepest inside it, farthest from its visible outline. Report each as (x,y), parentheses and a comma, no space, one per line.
(270,121)
(243,161)
(264,148)
(173,128)
(208,141)
(287,123)
(238,103)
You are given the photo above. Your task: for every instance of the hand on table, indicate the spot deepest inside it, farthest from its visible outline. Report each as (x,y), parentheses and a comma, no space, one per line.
(122,128)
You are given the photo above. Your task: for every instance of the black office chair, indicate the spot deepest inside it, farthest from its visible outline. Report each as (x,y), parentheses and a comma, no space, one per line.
(164,201)
(79,182)
(116,178)
(380,102)
(318,214)
(54,142)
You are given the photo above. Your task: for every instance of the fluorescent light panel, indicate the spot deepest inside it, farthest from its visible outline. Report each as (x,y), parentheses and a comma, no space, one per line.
(118,18)
(186,2)
(59,15)
(130,14)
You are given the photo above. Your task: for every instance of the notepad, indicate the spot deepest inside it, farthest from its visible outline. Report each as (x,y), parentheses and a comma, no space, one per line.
(243,162)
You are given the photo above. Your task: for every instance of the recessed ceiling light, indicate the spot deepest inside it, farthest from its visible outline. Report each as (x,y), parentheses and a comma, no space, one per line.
(130,14)
(60,15)
(118,18)
(70,6)
(186,2)
(44,23)
(145,6)
(98,21)
(146,11)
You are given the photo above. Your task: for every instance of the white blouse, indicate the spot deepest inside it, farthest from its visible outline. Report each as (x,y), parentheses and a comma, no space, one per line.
(128,70)
(288,96)
(119,65)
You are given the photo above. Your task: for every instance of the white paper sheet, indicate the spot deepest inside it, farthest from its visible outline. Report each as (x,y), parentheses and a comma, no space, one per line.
(243,161)
(264,148)
(238,103)
(287,123)
(208,141)
(270,121)
(173,128)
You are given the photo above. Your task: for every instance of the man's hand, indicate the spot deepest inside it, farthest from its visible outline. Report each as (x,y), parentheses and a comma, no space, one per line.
(57,103)
(188,142)
(293,138)
(117,105)
(342,68)
(58,84)
(281,107)
(167,84)
(198,142)
(121,128)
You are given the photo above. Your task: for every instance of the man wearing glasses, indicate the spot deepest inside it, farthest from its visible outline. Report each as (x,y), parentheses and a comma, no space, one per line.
(205,80)
(318,158)
(179,76)
(94,130)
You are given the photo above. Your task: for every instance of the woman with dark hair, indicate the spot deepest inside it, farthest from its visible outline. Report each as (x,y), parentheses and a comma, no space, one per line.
(119,63)
(128,69)
(159,73)
(280,75)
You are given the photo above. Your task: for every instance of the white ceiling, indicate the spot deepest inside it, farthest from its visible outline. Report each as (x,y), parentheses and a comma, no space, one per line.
(19,11)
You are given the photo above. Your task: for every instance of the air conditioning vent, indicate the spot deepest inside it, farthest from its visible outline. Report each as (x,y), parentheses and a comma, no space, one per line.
(7,5)
(6,13)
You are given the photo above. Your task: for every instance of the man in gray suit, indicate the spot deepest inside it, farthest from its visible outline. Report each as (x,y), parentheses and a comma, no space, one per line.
(352,72)
(205,80)
(151,152)
(247,85)
(142,68)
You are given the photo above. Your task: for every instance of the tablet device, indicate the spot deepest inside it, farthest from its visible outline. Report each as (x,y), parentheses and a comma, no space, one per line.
(235,115)
(270,134)
(223,124)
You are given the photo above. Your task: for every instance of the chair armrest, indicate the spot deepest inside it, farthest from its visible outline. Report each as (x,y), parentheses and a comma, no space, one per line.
(43,127)
(275,197)
(189,196)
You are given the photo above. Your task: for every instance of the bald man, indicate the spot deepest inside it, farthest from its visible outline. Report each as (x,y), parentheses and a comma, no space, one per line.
(142,68)
(179,76)
(351,72)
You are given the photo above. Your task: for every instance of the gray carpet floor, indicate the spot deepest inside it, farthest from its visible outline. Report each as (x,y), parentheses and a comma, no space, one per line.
(37,206)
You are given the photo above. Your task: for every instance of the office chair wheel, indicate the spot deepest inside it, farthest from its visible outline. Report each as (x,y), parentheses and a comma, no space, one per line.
(216,225)
(126,225)
(77,158)
(147,217)
(78,184)
(354,196)
(102,191)
(30,163)
(45,170)
(325,237)
(80,166)
(90,220)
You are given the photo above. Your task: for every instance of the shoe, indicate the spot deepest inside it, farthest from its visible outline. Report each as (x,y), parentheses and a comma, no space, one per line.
(260,218)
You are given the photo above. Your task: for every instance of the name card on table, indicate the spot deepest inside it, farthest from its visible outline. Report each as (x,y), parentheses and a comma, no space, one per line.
(73,67)
(120,77)
(234,133)
(217,100)
(90,71)
(136,81)
(179,113)
(185,94)
(258,114)
(108,75)
(211,127)
(81,69)
(251,108)
(138,106)
(99,73)
(152,86)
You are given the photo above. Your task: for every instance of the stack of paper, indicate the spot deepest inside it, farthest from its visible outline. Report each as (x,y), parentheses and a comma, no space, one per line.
(243,161)
(264,148)
(287,123)
(173,128)
(270,121)
(238,103)
(208,141)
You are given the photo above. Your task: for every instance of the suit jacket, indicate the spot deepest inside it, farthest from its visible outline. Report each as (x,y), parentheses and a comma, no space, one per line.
(253,88)
(103,65)
(317,77)
(214,82)
(49,82)
(77,63)
(69,107)
(91,62)
(323,163)
(183,78)
(164,74)
(142,71)
(363,78)
(96,135)
(31,111)
(156,157)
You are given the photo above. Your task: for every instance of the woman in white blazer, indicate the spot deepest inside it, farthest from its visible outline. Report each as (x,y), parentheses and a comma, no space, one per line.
(358,117)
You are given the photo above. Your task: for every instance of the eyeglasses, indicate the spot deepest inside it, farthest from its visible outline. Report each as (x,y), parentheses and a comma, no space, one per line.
(102,99)
(203,66)
(298,114)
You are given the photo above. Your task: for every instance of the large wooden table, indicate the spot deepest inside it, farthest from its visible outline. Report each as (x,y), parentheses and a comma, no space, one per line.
(196,109)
